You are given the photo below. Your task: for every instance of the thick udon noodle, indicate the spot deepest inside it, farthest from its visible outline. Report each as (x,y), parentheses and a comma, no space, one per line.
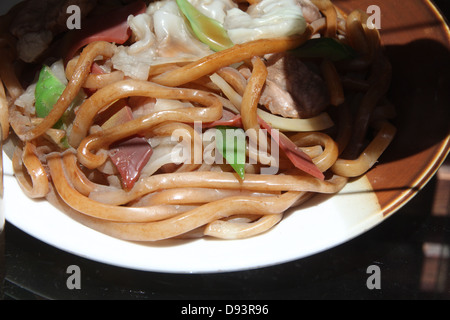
(195,199)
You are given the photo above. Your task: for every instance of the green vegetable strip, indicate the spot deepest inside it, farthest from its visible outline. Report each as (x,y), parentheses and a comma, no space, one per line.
(328,48)
(232,144)
(48,90)
(207,30)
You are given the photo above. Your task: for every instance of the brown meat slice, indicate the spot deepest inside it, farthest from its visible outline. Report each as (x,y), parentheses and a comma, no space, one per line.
(278,100)
(293,90)
(310,11)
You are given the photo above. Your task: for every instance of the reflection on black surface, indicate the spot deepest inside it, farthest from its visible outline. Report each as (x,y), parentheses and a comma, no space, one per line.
(435,276)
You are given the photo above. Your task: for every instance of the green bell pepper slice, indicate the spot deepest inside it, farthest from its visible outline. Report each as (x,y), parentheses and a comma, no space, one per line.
(207,30)
(48,90)
(327,48)
(232,144)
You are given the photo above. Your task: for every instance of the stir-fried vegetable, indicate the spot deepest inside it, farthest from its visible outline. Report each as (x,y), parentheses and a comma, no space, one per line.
(207,30)
(328,48)
(48,90)
(231,143)
(265,19)
(298,158)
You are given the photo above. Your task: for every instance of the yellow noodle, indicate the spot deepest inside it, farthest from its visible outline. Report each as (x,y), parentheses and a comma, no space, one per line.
(228,57)
(78,78)
(103,139)
(26,166)
(234,78)
(187,133)
(355,168)
(252,94)
(329,154)
(334,82)
(194,195)
(329,11)
(78,179)
(191,220)
(98,210)
(94,81)
(380,78)
(238,230)
(356,32)
(4,112)
(222,180)
(106,96)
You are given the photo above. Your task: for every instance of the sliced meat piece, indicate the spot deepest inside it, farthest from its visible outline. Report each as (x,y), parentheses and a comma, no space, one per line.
(310,11)
(307,88)
(228,119)
(278,100)
(130,157)
(292,89)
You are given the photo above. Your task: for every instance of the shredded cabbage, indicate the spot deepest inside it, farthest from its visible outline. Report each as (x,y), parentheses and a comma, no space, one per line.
(214,9)
(162,35)
(267,19)
(135,61)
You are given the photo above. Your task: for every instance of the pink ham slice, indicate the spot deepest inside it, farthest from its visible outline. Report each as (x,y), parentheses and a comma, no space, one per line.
(298,158)
(228,119)
(130,157)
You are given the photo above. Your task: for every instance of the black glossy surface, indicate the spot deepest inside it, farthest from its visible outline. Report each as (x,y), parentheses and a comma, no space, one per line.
(37,271)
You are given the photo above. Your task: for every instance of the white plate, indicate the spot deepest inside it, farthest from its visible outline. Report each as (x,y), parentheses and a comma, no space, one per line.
(323,223)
